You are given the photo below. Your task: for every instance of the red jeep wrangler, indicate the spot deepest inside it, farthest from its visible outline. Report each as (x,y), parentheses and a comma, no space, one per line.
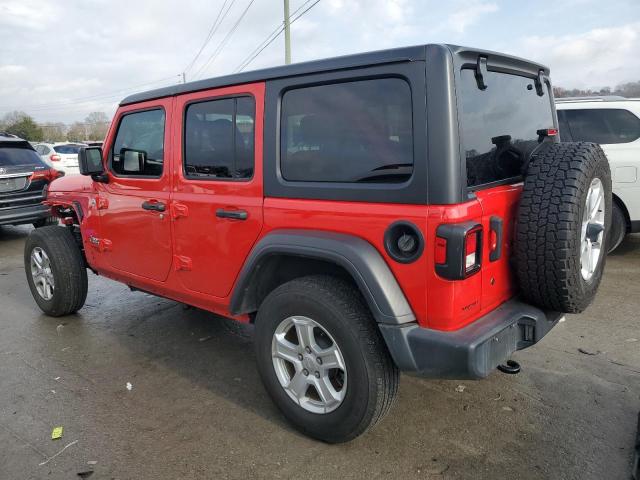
(409,209)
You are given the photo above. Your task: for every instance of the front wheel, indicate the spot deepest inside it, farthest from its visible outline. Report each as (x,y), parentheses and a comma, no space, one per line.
(322,359)
(45,222)
(55,270)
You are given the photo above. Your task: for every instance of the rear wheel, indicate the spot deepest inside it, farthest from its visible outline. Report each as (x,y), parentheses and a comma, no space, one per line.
(618,228)
(322,359)
(563,226)
(55,270)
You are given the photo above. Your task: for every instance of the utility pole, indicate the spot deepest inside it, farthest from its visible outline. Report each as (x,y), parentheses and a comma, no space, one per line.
(287,34)
(184,77)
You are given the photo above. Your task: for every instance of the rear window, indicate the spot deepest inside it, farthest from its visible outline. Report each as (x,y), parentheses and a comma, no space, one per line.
(358,131)
(67,149)
(18,157)
(499,125)
(602,125)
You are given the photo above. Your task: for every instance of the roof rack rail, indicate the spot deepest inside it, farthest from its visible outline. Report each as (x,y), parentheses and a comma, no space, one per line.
(594,98)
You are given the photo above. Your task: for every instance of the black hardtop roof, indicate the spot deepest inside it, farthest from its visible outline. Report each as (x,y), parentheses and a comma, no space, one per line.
(393,55)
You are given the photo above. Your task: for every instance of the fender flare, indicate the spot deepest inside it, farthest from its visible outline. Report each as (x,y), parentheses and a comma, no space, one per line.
(358,257)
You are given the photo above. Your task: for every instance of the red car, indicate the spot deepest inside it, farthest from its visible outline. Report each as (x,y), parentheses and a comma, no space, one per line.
(403,210)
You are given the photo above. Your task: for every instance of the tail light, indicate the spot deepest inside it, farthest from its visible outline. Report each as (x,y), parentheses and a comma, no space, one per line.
(49,175)
(54,157)
(472,250)
(458,253)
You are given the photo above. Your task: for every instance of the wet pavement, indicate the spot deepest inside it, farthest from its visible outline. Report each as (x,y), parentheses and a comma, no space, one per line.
(196,407)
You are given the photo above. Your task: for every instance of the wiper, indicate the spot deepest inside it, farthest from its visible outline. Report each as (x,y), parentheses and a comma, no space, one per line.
(392,165)
(381,173)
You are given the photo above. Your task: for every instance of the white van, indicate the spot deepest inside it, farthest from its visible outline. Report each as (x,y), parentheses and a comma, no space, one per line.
(614,123)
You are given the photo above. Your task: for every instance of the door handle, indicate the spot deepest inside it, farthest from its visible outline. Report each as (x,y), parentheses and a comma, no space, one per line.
(234,214)
(154,206)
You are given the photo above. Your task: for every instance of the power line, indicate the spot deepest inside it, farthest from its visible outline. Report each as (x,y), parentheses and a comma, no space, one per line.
(280,29)
(212,31)
(88,99)
(224,41)
(276,32)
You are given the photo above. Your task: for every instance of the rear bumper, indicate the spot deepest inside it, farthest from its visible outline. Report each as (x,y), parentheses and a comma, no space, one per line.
(22,215)
(473,351)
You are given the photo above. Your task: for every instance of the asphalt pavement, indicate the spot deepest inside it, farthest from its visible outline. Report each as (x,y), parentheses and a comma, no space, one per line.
(196,408)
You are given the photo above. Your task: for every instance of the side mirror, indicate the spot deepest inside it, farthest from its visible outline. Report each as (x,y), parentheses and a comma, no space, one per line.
(90,161)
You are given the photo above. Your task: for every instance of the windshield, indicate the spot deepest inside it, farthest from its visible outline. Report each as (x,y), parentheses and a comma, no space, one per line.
(18,157)
(499,125)
(67,149)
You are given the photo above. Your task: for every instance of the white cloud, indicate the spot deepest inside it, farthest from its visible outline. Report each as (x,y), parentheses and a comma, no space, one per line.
(596,58)
(467,14)
(11,69)
(98,50)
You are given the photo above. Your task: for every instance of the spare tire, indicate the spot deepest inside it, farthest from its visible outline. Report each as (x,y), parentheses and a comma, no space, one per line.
(562,226)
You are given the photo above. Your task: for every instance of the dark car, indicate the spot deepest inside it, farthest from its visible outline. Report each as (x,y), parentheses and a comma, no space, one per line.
(24,180)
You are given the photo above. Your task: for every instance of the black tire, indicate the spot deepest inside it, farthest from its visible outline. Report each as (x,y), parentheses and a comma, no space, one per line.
(618,228)
(45,222)
(549,223)
(67,267)
(372,376)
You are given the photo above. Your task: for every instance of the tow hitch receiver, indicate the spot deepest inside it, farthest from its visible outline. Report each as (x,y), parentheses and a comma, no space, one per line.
(511,367)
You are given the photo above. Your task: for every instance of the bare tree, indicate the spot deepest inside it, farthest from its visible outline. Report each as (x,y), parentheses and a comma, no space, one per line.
(54,132)
(97,125)
(77,132)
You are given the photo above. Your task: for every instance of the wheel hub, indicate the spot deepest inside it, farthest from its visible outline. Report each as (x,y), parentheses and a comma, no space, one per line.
(592,232)
(41,273)
(309,364)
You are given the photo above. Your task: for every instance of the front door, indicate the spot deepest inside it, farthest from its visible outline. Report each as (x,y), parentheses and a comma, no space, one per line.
(217,199)
(134,204)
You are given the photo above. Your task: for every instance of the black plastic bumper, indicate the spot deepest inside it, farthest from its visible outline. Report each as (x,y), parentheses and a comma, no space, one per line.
(22,215)
(473,351)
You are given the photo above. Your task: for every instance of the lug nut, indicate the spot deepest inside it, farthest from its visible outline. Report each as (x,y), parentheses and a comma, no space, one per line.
(300,357)
(319,360)
(305,372)
(317,374)
(308,349)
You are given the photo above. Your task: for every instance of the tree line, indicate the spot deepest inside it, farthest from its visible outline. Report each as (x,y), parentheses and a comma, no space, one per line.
(628,90)
(19,123)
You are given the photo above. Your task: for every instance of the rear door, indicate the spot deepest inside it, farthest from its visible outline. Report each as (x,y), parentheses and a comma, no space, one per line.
(218,195)
(134,204)
(500,128)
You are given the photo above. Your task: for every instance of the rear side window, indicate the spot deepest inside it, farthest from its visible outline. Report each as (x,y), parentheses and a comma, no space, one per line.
(357,131)
(67,149)
(19,157)
(499,125)
(218,139)
(138,149)
(601,125)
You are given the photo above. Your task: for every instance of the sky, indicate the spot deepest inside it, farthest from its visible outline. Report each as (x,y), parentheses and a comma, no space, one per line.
(60,60)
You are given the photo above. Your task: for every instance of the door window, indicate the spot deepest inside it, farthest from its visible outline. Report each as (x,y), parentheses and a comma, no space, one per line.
(219,139)
(138,149)
(358,131)
(601,125)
